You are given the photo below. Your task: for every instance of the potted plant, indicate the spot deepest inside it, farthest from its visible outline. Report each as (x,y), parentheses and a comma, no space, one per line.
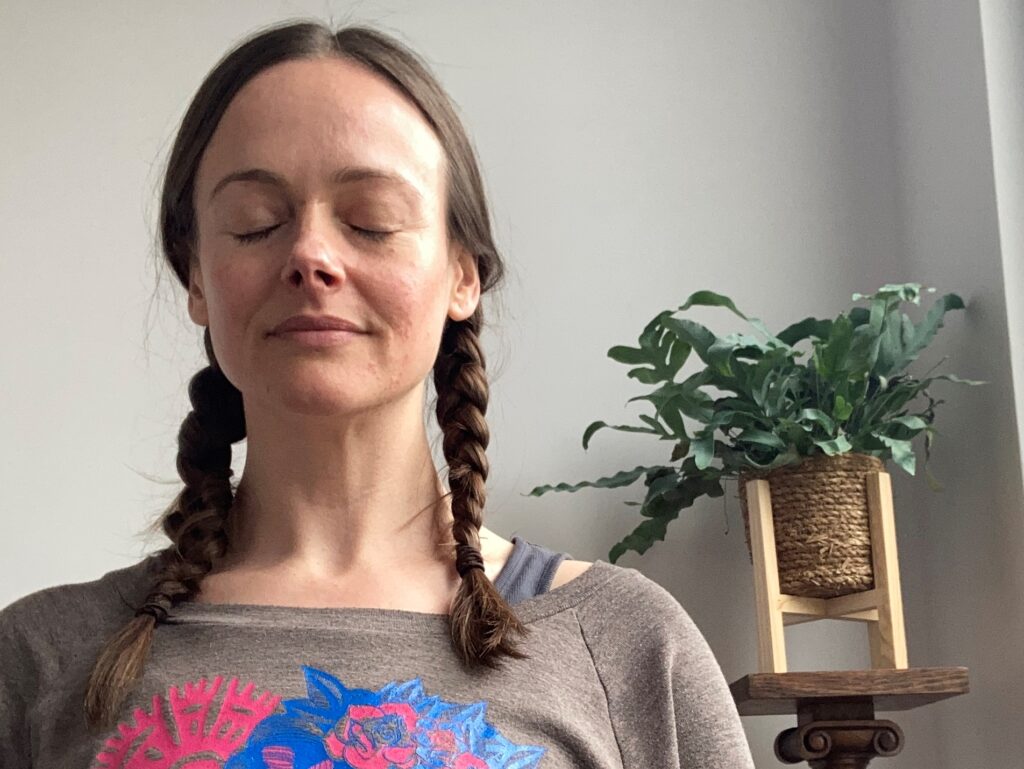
(812,409)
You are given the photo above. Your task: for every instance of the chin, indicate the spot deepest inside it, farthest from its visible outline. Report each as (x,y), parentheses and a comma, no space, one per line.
(307,391)
(324,402)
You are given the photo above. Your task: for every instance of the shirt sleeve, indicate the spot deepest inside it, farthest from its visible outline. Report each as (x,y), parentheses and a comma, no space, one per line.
(668,700)
(17,674)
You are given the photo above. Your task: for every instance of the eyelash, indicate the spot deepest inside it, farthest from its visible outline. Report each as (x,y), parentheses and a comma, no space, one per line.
(252,237)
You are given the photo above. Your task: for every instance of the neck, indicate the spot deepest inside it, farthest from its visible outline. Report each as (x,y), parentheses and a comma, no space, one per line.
(331,498)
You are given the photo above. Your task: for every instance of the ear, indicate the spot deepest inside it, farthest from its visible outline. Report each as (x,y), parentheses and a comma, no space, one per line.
(196,295)
(465,293)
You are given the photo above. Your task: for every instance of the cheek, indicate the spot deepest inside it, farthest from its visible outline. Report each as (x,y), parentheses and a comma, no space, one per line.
(236,286)
(234,295)
(414,305)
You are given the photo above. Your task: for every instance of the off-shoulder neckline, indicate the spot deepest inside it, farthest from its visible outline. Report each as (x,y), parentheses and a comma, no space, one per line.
(565,596)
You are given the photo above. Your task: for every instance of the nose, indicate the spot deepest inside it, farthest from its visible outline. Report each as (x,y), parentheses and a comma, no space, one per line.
(314,259)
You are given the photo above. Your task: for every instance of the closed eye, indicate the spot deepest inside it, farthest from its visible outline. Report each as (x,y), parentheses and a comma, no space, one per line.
(250,237)
(377,235)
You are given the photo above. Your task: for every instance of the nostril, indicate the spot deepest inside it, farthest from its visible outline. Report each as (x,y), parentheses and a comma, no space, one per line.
(324,277)
(329,277)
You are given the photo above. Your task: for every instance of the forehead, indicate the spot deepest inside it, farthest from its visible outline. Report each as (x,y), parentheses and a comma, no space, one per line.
(306,120)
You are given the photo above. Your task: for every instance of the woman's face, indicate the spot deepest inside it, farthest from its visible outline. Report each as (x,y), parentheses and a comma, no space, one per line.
(322,192)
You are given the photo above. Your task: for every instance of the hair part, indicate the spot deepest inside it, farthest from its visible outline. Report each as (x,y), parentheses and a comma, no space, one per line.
(197,523)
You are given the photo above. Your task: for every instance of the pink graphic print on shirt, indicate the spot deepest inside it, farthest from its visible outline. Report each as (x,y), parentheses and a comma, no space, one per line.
(158,738)
(396,727)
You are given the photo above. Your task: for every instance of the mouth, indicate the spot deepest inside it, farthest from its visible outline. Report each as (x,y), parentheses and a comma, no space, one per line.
(303,323)
(317,337)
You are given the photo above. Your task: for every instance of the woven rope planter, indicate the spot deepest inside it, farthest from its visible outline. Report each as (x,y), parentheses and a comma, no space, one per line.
(822,534)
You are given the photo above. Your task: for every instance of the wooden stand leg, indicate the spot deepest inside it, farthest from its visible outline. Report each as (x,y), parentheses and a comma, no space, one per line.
(887,636)
(771,641)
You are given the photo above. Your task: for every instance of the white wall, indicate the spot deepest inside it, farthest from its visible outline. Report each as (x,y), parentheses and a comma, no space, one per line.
(961,549)
(788,153)
(1003,32)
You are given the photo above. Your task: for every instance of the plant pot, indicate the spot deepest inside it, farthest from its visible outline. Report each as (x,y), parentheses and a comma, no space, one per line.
(822,531)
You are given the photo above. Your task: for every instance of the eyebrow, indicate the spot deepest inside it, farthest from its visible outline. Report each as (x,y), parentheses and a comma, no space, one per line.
(347,175)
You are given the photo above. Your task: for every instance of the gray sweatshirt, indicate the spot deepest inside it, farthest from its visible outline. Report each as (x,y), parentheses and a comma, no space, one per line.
(618,676)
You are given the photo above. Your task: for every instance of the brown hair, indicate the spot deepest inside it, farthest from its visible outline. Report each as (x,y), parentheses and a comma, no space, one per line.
(197,521)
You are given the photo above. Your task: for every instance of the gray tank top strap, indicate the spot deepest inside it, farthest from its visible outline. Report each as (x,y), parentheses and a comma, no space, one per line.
(528,571)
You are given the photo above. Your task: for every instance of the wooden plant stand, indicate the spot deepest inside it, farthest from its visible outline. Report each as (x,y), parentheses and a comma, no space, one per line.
(881,607)
(836,725)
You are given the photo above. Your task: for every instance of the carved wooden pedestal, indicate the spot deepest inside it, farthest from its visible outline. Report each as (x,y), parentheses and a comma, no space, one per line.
(836,725)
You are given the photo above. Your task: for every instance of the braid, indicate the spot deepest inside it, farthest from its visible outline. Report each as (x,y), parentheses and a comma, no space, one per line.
(195,522)
(482,623)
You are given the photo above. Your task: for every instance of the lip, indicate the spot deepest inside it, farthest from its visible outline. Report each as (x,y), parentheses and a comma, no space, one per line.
(315,323)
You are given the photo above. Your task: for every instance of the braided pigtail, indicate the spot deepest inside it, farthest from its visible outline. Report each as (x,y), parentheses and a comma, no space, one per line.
(196,523)
(482,623)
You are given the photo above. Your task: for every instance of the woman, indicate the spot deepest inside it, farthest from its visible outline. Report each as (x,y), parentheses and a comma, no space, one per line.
(323,208)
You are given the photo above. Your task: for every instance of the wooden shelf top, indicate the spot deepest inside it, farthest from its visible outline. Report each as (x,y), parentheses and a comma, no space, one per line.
(763,694)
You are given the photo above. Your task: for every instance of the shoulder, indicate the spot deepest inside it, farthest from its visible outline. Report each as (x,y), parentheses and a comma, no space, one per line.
(665,688)
(49,638)
(568,570)
(628,611)
(630,591)
(62,612)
